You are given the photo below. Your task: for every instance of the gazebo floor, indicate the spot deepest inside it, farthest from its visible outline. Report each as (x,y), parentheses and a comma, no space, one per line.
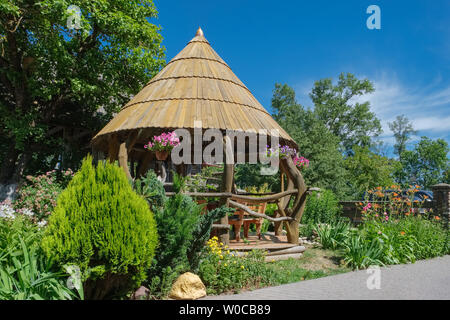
(268,242)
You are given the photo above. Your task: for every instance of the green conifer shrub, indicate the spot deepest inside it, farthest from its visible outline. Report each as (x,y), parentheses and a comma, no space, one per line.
(101,225)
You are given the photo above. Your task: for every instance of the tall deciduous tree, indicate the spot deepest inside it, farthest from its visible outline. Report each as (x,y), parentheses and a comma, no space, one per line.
(402,129)
(63,74)
(427,163)
(316,142)
(337,106)
(369,170)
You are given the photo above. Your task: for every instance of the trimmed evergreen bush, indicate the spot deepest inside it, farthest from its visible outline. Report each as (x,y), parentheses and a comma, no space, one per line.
(101,225)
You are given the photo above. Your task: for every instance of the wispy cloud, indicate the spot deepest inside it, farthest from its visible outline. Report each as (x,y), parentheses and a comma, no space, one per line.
(427,107)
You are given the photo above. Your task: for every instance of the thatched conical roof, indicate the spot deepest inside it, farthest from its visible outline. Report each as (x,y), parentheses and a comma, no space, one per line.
(196,85)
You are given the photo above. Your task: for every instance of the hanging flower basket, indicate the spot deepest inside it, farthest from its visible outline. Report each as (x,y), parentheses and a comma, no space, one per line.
(163,144)
(286,151)
(162,155)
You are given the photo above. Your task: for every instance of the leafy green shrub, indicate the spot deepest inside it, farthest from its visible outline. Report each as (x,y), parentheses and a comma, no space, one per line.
(270,209)
(333,236)
(151,189)
(39,193)
(360,253)
(432,238)
(176,217)
(183,251)
(176,222)
(248,175)
(202,233)
(407,239)
(25,272)
(321,207)
(397,241)
(183,231)
(223,271)
(101,225)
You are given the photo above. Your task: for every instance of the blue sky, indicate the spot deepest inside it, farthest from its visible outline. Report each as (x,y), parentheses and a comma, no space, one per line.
(298,42)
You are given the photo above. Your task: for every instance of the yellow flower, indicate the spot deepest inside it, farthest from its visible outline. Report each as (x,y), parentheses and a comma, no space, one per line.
(221,256)
(242,267)
(225,265)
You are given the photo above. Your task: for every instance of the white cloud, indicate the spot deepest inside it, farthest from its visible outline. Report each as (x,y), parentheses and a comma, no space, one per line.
(427,107)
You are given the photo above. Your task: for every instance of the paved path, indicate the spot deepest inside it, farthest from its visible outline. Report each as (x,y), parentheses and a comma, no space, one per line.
(426,279)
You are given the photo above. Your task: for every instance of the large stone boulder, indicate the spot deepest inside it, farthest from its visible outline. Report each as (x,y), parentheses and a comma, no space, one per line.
(188,286)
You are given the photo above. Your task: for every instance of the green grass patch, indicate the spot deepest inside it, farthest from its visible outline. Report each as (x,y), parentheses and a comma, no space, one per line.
(315,263)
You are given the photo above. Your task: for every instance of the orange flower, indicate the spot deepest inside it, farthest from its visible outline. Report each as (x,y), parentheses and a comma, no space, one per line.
(402,233)
(437,218)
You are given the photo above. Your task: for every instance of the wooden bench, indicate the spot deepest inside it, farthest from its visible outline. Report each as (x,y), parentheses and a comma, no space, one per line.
(241,218)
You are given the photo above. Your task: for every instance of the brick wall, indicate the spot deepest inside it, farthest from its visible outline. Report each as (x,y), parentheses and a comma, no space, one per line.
(441,196)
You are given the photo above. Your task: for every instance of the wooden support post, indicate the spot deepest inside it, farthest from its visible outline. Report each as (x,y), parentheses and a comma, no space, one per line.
(123,159)
(94,156)
(278,226)
(227,186)
(124,150)
(133,168)
(296,212)
(113,148)
(145,164)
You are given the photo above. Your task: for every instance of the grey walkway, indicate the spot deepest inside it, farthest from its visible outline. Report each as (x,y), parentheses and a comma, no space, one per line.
(426,279)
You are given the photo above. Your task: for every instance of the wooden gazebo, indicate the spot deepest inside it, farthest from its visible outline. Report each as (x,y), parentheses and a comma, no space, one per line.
(197,85)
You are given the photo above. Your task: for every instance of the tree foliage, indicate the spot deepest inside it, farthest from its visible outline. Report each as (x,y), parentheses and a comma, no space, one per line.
(338,107)
(369,170)
(426,164)
(402,129)
(59,85)
(316,142)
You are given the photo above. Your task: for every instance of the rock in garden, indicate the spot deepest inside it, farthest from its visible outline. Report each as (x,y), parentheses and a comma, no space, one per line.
(188,286)
(141,294)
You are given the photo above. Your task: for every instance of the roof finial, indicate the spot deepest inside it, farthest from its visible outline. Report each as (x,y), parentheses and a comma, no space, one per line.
(199,32)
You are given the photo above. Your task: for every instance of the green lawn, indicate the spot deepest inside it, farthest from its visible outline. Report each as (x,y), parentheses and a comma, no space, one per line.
(315,263)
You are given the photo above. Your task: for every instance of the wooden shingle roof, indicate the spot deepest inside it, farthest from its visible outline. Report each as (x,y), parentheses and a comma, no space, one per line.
(196,85)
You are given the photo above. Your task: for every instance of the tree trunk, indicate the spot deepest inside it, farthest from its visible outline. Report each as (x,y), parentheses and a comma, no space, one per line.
(8,166)
(24,158)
